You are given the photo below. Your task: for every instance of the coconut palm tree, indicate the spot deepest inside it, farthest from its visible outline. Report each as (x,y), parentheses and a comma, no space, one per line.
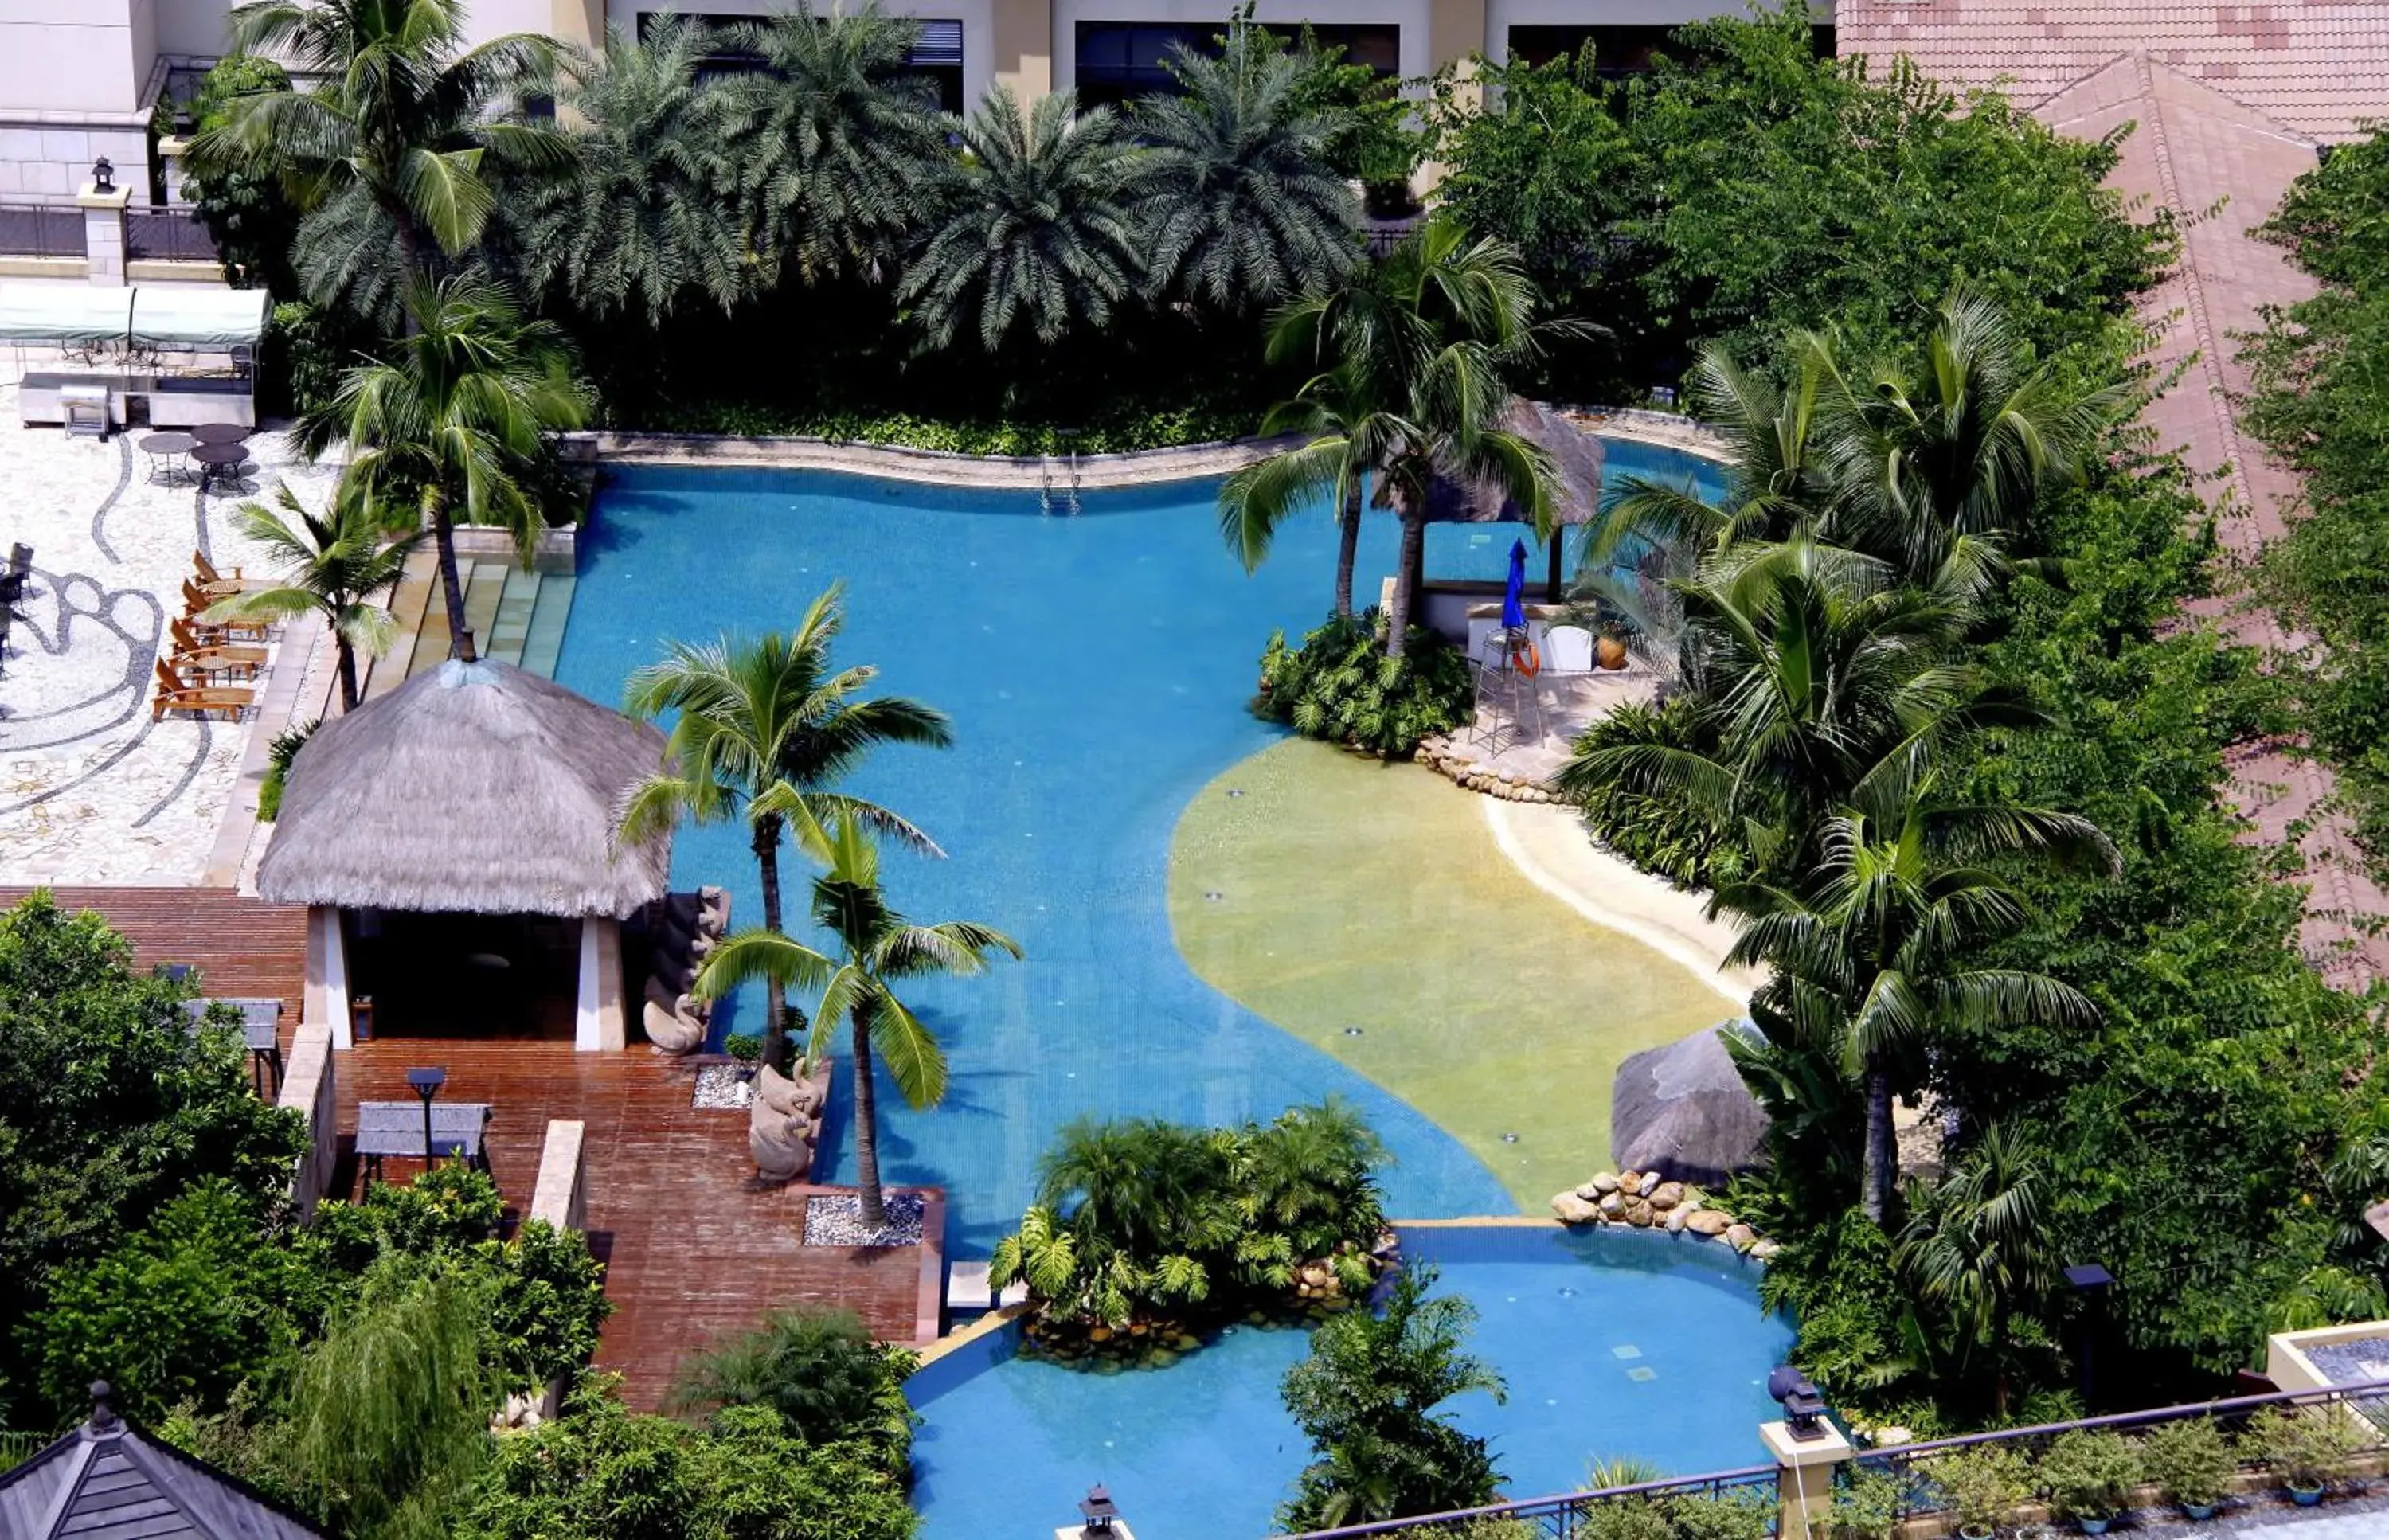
(1345,437)
(1039,236)
(649,214)
(1870,945)
(335,564)
(877,949)
(841,141)
(1419,346)
(1240,209)
(392,148)
(451,418)
(1979,1248)
(763,730)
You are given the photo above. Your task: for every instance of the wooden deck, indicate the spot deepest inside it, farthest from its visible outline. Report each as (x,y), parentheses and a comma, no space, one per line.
(243,947)
(691,1248)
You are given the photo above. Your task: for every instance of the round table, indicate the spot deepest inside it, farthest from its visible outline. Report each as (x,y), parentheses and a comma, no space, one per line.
(221,432)
(167,447)
(219,462)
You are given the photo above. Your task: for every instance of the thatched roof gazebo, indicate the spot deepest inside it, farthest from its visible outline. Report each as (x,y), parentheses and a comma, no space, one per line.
(474,788)
(1682,1110)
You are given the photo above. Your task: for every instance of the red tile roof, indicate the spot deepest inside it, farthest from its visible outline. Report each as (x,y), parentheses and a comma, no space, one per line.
(2319,68)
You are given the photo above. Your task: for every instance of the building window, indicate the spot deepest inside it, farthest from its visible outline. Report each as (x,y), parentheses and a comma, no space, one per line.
(935,57)
(1119,62)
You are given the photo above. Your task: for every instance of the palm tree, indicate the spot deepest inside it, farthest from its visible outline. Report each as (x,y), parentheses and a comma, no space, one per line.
(1039,237)
(1418,347)
(649,214)
(1980,1248)
(1239,206)
(762,732)
(391,151)
(448,421)
(841,141)
(335,564)
(1345,436)
(877,949)
(1869,947)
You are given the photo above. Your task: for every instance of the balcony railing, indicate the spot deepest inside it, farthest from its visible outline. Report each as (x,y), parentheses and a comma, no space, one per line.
(1564,1516)
(167,235)
(39,231)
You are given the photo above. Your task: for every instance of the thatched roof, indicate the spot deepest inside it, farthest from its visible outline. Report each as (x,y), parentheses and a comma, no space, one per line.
(1576,455)
(1681,1110)
(473,786)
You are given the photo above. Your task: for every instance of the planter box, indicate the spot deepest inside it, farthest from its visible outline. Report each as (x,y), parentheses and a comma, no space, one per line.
(558,549)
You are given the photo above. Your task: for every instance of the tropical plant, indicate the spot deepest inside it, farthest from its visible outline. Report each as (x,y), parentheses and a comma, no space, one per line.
(1978,1250)
(1339,685)
(1306,1188)
(390,150)
(1736,1515)
(841,141)
(280,754)
(1368,1398)
(818,1370)
(762,731)
(335,564)
(1038,238)
(1342,425)
(648,216)
(1411,355)
(1238,208)
(449,422)
(2191,1460)
(2090,1474)
(2307,1447)
(1868,1505)
(250,217)
(1627,1519)
(876,949)
(1982,1485)
(1871,946)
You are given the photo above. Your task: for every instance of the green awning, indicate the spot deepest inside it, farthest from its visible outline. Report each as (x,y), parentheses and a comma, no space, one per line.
(198,319)
(64,314)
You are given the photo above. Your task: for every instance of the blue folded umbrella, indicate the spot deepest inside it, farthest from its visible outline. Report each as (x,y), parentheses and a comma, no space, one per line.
(1513,609)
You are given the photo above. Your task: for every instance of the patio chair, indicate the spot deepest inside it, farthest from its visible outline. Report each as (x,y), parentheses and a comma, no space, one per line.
(777,1144)
(193,655)
(196,601)
(176,694)
(670,1032)
(220,584)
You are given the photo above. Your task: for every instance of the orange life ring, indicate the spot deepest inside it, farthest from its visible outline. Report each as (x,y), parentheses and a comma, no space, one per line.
(1527,661)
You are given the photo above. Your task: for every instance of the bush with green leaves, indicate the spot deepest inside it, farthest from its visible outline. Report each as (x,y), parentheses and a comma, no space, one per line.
(304,356)
(1368,1398)
(2089,1474)
(1980,1486)
(1742,1514)
(278,756)
(1137,1218)
(2191,1460)
(819,1372)
(2307,1447)
(1666,835)
(1626,1519)
(1866,1506)
(1339,685)
(251,216)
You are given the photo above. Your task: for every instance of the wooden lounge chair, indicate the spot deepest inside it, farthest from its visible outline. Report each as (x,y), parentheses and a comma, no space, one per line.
(193,655)
(176,694)
(218,583)
(212,632)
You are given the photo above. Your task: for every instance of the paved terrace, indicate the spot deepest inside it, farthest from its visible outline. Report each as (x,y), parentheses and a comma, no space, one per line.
(691,1248)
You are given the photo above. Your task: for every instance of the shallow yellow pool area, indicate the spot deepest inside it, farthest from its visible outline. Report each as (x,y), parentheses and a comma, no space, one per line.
(1367,908)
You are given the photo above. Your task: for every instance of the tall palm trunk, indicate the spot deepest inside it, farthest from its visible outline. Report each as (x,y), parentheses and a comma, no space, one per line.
(1881,1163)
(866,1127)
(348,656)
(443,535)
(775,994)
(1347,550)
(1413,553)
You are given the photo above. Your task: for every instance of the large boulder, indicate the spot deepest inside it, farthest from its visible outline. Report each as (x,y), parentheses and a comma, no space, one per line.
(1572,1210)
(1681,1113)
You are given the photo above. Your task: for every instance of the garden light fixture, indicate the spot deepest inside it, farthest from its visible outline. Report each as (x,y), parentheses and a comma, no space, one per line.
(103,175)
(1804,1409)
(1099,1511)
(427,1084)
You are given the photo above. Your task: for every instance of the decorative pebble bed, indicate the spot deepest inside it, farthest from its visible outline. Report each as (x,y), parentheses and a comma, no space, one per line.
(719,1088)
(837,1221)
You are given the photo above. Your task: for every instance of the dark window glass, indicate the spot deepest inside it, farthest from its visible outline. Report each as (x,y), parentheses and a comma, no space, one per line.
(1119,62)
(935,58)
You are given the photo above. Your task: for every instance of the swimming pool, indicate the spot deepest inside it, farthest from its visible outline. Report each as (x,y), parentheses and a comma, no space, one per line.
(1096,667)
(1613,1343)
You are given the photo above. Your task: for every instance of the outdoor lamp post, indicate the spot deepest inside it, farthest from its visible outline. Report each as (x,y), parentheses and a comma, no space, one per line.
(427,1084)
(1804,1408)
(2092,1281)
(1100,1512)
(103,175)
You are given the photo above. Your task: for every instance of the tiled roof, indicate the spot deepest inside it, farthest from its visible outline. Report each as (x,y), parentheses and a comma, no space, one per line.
(2320,67)
(105,1481)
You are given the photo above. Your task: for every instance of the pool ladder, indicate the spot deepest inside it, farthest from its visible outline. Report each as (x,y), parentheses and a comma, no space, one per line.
(1066,499)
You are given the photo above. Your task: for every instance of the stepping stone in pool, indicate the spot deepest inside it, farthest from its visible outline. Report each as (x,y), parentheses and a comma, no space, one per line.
(1641,1373)
(1627,1350)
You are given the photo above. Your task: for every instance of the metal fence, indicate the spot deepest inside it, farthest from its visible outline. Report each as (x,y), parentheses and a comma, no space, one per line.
(1567,1516)
(167,235)
(39,231)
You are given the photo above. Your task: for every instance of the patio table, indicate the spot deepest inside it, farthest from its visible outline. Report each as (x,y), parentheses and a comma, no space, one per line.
(386,1128)
(221,432)
(166,449)
(219,462)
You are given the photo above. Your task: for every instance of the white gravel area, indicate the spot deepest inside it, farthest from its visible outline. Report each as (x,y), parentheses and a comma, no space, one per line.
(91,790)
(837,1221)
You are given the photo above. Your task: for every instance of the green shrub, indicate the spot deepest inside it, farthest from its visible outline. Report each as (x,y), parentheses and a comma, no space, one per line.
(2089,1474)
(2305,1448)
(1666,835)
(548,1301)
(1624,1519)
(1123,432)
(250,216)
(1866,1505)
(278,755)
(1745,1514)
(1339,686)
(818,1372)
(1982,1484)
(2191,1460)
(305,354)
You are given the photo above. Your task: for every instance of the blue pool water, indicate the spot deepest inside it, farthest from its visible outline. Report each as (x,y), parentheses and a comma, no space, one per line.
(1096,667)
(1612,1344)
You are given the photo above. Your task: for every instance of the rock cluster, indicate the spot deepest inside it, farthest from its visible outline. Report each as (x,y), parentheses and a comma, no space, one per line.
(1644,1200)
(1450,759)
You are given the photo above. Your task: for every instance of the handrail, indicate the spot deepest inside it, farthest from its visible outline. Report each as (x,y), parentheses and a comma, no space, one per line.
(1562,1503)
(2230,1406)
